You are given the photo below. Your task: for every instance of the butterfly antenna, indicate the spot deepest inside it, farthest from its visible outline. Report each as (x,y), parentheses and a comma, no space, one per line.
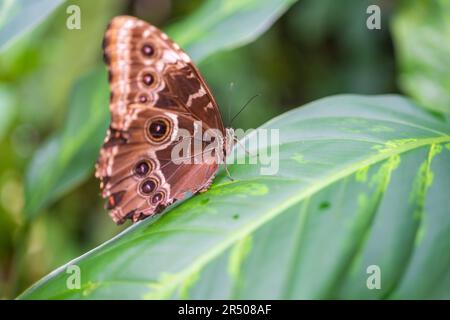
(243,108)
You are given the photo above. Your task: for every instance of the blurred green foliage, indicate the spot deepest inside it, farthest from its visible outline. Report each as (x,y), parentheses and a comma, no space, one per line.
(17,17)
(316,49)
(422,33)
(67,158)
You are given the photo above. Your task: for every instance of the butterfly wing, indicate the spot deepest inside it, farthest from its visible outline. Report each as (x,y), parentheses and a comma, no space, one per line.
(156,92)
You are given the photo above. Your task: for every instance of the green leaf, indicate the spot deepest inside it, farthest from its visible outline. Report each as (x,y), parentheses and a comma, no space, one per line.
(45,184)
(421,31)
(20,16)
(362,181)
(67,158)
(219,25)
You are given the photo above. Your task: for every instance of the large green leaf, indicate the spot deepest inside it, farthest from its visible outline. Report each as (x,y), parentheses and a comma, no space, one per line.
(421,33)
(46,182)
(362,181)
(19,16)
(69,156)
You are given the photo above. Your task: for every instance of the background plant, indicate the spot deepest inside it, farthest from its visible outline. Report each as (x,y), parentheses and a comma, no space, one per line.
(346,161)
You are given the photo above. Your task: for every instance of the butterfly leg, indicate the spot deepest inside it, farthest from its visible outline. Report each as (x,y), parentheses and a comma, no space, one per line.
(228,172)
(226,167)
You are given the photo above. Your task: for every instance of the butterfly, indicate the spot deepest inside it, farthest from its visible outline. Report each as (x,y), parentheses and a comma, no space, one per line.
(155,93)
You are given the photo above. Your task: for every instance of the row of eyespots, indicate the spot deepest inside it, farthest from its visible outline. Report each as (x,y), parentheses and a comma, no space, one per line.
(157,131)
(148,79)
(148,186)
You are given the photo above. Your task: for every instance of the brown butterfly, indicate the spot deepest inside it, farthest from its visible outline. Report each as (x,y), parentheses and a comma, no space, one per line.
(156,91)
